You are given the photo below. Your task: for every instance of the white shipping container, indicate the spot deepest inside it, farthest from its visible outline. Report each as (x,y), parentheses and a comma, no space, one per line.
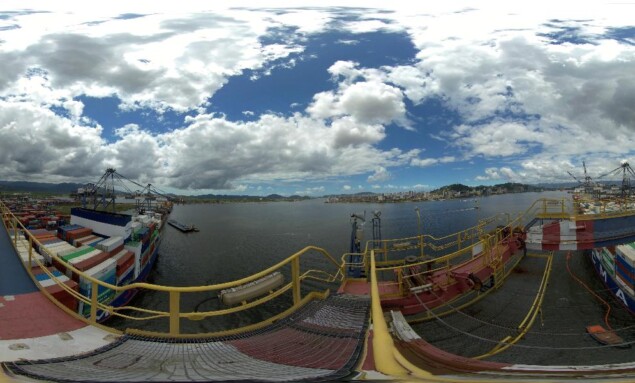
(110,243)
(50,282)
(68,250)
(84,257)
(85,240)
(102,270)
(25,258)
(136,249)
(623,285)
(55,245)
(627,253)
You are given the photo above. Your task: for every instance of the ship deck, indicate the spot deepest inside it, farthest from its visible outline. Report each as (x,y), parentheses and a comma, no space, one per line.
(558,337)
(32,327)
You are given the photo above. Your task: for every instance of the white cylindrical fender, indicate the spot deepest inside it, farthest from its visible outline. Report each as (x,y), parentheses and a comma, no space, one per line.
(251,290)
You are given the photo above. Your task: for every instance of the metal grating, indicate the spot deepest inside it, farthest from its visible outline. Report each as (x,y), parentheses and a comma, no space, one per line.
(309,345)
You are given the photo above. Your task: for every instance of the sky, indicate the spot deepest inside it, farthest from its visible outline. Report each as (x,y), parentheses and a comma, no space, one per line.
(315,98)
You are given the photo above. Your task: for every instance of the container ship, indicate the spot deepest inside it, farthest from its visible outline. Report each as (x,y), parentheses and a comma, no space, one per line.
(616,267)
(115,248)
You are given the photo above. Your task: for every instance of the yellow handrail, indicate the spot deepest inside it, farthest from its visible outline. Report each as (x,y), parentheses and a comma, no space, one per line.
(383,345)
(174,313)
(527,322)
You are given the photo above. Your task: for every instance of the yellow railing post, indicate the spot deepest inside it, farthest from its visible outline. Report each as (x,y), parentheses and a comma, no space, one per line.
(30,252)
(175,311)
(94,293)
(295,277)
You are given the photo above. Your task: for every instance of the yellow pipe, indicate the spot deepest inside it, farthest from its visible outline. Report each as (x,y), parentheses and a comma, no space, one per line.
(175,309)
(529,319)
(541,292)
(383,345)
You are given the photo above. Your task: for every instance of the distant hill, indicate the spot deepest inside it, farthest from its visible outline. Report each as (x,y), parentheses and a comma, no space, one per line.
(509,187)
(360,194)
(229,197)
(25,186)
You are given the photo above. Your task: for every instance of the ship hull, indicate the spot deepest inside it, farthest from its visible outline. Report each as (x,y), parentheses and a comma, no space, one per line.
(126,296)
(138,238)
(609,281)
(584,233)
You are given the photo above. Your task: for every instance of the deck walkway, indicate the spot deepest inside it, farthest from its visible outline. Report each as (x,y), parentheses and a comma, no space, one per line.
(13,277)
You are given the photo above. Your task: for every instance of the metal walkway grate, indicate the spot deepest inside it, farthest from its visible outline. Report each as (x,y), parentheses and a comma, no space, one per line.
(322,341)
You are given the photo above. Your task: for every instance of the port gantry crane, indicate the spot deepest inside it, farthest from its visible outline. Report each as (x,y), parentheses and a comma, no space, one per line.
(588,183)
(104,192)
(626,171)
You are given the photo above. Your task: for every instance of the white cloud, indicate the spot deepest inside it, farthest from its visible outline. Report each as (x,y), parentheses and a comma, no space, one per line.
(498,138)
(170,60)
(373,103)
(362,94)
(346,187)
(517,97)
(503,173)
(365,102)
(317,190)
(347,132)
(380,175)
(423,162)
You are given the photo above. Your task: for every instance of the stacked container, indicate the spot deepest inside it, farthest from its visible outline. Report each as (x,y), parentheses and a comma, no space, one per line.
(104,272)
(625,267)
(135,248)
(125,267)
(57,291)
(607,257)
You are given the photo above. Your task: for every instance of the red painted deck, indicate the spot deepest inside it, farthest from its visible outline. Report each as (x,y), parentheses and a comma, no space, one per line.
(33,315)
(298,348)
(446,285)
(360,287)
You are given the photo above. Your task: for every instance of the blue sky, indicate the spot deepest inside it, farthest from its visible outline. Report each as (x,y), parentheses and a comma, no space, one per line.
(260,98)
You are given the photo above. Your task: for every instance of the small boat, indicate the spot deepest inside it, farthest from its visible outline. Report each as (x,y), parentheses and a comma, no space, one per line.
(607,337)
(184,228)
